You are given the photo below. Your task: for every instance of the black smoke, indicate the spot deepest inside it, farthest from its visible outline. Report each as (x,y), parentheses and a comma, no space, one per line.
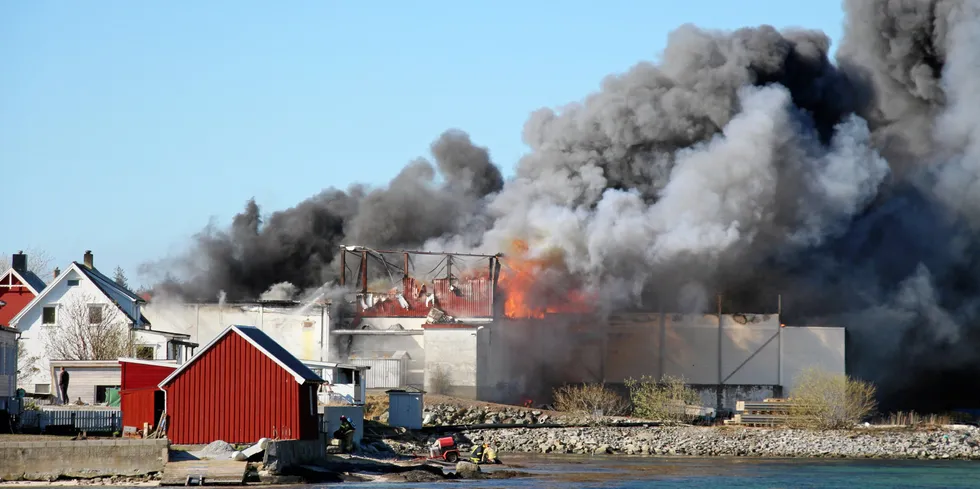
(747,163)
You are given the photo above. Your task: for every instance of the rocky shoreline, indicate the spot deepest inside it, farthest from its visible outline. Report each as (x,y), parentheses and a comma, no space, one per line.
(959,442)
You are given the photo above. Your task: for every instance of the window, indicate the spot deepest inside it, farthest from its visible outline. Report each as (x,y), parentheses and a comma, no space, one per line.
(73,282)
(95,313)
(42,388)
(48,315)
(144,352)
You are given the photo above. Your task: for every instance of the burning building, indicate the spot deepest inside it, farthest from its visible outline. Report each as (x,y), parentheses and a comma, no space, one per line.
(748,163)
(483,333)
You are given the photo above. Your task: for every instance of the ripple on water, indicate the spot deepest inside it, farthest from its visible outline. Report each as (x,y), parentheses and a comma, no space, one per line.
(610,472)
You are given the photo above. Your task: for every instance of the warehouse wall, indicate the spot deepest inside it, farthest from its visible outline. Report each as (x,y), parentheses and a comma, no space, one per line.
(298,329)
(805,347)
(452,349)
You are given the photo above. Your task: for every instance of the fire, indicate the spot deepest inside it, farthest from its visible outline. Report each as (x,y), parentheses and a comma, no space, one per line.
(517,280)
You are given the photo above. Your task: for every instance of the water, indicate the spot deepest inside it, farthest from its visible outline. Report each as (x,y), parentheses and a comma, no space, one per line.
(637,472)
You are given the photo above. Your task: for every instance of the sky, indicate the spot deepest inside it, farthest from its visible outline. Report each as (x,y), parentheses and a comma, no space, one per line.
(126,127)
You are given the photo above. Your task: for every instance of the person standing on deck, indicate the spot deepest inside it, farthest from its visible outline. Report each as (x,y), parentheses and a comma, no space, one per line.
(63,385)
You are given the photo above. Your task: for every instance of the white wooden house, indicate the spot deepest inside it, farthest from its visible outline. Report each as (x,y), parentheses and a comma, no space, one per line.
(83,295)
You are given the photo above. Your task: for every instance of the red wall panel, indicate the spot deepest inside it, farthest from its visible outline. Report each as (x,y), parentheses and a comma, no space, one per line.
(137,407)
(17,297)
(234,392)
(140,375)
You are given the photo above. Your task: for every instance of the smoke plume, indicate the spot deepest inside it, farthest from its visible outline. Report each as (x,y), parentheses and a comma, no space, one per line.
(746,163)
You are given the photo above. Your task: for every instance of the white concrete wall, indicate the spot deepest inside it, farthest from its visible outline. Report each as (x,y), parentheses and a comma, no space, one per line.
(454,351)
(8,364)
(750,349)
(523,358)
(300,330)
(811,347)
(691,347)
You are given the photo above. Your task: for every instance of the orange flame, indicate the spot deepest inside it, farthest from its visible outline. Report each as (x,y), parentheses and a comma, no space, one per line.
(517,280)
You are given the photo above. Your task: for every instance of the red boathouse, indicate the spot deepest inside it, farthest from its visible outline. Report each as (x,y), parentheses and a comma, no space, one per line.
(241,387)
(140,398)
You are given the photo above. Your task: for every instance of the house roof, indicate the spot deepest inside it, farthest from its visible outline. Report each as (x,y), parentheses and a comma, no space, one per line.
(101,282)
(8,329)
(105,284)
(166,334)
(28,278)
(262,342)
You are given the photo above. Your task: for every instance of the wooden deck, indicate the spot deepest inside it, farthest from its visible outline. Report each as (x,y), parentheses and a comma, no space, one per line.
(204,472)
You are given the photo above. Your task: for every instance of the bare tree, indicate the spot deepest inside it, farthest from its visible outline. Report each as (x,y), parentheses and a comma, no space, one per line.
(38,261)
(88,330)
(26,364)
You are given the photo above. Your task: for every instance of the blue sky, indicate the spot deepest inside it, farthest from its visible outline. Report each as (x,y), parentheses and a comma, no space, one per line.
(126,126)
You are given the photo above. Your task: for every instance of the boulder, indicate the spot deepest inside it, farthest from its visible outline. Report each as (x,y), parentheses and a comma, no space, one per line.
(468,470)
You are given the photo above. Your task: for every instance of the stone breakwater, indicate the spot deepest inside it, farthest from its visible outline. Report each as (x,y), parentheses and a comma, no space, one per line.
(959,443)
(452,415)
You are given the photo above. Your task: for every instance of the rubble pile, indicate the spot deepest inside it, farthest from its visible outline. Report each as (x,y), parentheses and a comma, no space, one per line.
(452,415)
(961,442)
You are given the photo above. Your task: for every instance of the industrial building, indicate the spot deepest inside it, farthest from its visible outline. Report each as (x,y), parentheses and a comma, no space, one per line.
(411,328)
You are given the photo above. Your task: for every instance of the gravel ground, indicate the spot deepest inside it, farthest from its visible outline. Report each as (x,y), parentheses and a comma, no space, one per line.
(948,443)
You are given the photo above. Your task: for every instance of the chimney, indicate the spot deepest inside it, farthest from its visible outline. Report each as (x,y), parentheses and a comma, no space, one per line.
(19,262)
(89,260)
(57,271)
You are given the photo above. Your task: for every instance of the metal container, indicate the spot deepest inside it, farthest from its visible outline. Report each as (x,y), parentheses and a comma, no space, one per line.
(388,369)
(405,409)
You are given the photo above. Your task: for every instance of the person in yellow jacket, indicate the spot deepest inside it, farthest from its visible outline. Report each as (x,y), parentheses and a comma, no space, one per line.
(490,456)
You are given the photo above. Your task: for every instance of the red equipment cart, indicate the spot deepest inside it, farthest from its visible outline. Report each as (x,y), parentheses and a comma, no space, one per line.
(445,448)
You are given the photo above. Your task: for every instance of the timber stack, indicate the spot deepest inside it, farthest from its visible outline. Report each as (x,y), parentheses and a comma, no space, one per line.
(768,412)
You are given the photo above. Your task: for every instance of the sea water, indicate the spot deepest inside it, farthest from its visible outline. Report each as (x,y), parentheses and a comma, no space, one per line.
(641,472)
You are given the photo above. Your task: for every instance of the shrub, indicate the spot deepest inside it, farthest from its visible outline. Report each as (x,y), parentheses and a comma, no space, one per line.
(590,399)
(440,382)
(824,400)
(665,399)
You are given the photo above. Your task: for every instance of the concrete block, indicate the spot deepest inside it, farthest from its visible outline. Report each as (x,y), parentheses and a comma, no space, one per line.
(81,458)
(280,455)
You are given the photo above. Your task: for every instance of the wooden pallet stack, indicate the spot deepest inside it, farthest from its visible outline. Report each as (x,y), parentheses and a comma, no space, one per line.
(768,412)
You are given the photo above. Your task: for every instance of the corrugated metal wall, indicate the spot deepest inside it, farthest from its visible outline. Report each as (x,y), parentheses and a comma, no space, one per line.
(385,373)
(233,392)
(405,409)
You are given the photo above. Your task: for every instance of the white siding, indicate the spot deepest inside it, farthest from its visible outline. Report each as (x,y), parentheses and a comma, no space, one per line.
(82,381)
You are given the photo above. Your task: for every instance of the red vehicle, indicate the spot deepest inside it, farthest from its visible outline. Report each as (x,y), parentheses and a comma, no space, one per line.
(445,448)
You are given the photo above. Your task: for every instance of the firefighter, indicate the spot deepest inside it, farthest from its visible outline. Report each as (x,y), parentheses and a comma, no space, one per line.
(345,434)
(476,456)
(490,456)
